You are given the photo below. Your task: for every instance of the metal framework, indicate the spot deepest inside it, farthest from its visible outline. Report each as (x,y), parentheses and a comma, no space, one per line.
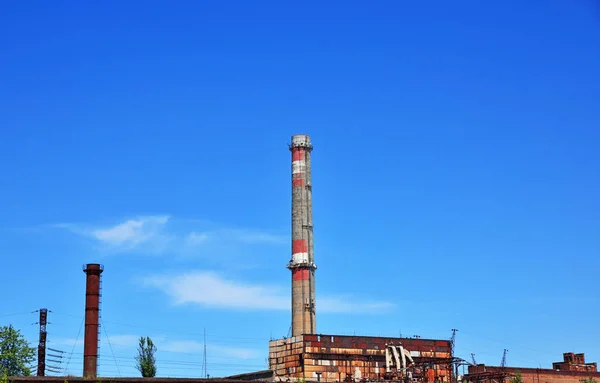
(41,362)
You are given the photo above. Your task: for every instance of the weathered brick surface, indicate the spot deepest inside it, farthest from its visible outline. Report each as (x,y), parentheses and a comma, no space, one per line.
(534,375)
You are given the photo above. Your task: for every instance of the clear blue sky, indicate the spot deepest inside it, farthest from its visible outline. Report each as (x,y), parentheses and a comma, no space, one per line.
(456,173)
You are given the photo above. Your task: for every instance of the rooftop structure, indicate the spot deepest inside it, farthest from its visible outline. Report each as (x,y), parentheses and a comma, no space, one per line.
(572,370)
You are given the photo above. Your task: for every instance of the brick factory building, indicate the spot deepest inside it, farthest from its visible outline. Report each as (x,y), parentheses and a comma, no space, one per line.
(574,362)
(572,369)
(334,358)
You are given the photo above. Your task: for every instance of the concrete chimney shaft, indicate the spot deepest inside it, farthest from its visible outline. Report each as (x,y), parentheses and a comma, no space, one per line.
(302,263)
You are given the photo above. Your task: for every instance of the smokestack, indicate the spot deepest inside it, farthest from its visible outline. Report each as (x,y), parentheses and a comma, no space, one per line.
(92,319)
(302,263)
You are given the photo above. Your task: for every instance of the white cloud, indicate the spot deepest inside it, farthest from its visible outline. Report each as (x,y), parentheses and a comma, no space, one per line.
(123,340)
(210,289)
(195,239)
(161,233)
(131,232)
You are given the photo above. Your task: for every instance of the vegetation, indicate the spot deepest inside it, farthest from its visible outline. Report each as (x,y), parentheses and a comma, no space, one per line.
(517,378)
(146,364)
(15,353)
(588,380)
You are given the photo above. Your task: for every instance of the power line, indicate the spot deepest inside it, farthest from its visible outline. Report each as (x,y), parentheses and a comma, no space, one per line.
(208,335)
(182,353)
(109,345)
(180,363)
(14,314)
(74,344)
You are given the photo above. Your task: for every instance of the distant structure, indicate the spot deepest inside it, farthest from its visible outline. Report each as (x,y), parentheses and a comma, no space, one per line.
(574,362)
(302,263)
(92,319)
(572,369)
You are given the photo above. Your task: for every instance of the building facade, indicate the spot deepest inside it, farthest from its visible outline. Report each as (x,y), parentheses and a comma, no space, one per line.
(336,358)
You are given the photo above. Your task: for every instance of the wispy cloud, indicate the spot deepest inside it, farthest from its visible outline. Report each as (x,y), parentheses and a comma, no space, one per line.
(210,289)
(131,232)
(127,235)
(162,233)
(195,239)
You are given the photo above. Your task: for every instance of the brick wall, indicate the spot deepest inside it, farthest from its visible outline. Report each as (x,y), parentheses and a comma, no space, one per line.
(532,375)
(335,357)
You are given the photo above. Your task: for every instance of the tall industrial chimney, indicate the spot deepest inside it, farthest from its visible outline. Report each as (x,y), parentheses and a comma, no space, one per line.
(92,319)
(302,263)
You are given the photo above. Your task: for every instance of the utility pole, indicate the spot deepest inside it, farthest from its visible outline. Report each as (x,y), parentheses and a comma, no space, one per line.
(41,367)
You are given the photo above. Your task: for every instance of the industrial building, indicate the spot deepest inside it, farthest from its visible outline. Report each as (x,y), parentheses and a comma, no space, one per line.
(573,369)
(574,362)
(335,358)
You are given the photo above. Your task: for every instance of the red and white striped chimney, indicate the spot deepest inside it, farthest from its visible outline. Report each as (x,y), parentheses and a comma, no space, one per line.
(302,263)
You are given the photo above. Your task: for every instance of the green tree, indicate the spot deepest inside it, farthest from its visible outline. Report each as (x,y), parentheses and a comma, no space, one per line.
(15,353)
(588,380)
(517,378)
(146,364)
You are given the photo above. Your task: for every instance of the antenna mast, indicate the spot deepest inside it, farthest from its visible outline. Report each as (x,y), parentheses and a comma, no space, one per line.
(503,363)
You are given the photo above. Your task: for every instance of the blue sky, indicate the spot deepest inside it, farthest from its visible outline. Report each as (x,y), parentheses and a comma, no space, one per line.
(455,173)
